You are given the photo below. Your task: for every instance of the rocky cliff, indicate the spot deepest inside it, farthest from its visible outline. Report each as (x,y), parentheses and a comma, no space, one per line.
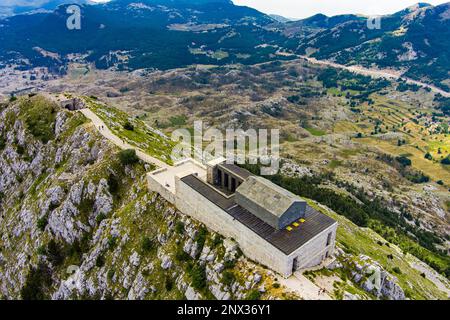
(77,221)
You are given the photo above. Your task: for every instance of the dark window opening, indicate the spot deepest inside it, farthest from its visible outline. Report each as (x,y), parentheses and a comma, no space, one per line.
(294,265)
(329,238)
(226,182)
(233,184)
(219,177)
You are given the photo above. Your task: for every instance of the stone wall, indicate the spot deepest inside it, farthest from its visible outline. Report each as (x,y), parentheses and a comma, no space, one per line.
(253,246)
(314,251)
(157,187)
(73,104)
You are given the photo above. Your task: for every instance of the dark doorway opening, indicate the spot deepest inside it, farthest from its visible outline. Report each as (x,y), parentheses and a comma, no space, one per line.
(226,182)
(233,184)
(219,177)
(329,238)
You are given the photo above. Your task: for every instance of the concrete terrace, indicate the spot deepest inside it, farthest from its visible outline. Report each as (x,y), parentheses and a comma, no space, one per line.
(166,176)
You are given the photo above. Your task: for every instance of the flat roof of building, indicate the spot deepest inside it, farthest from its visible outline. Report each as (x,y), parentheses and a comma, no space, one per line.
(166,176)
(238,171)
(286,241)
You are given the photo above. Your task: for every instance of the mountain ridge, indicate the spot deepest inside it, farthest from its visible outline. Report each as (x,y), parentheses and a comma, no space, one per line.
(410,40)
(217,32)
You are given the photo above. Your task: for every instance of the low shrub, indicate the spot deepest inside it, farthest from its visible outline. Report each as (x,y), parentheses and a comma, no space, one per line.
(55,253)
(37,283)
(198,275)
(179,227)
(128,157)
(128,126)
(100,217)
(253,295)
(168,284)
(113,183)
(100,261)
(228,278)
(397,270)
(181,256)
(404,161)
(42,223)
(147,244)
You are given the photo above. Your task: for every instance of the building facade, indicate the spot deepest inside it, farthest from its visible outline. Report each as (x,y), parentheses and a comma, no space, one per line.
(271,225)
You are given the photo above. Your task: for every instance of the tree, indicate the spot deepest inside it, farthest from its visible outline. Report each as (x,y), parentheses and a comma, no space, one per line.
(55,253)
(128,157)
(128,126)
(198,275)
(404,161)
(147,244)
(37,283)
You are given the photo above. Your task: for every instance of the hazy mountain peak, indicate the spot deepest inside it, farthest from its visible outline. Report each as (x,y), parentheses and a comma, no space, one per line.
(176,2)
(419,5)
(280,18)
(414,9)
(323,21)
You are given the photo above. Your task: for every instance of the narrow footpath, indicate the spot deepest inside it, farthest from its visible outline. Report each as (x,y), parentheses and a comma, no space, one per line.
(107,133)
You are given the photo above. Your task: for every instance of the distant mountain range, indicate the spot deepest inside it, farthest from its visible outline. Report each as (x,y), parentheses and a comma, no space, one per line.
(163,34)
(12,7)
(159,34)
(324,22)
(279,18)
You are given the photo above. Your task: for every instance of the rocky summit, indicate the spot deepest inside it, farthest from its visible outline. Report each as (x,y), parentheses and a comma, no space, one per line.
(87,227)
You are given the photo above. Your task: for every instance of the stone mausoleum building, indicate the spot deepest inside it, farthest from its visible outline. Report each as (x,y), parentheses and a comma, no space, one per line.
(272,226)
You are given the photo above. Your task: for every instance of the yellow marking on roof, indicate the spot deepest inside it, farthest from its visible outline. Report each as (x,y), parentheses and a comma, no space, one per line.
(289,229)
(302,220)
(296,224)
